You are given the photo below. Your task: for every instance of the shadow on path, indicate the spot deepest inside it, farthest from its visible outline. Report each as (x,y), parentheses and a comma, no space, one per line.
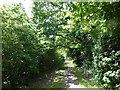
(62,78)
(65,78)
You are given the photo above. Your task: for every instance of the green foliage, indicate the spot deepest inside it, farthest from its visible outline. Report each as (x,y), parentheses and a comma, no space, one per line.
(98,37)
(34,46)
(109,69)
(18,60)
(23,54)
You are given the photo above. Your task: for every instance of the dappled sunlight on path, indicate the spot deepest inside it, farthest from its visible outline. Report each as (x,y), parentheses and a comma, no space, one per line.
(67,76)
(70,78)
(61,78)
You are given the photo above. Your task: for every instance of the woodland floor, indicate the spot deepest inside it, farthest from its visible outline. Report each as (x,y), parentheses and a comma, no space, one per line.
(63,78)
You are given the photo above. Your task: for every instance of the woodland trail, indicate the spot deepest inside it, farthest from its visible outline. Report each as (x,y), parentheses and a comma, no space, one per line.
(62,78)
(68,77)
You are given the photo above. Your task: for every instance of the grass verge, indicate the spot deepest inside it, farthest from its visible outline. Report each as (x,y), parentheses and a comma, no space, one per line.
(84,80)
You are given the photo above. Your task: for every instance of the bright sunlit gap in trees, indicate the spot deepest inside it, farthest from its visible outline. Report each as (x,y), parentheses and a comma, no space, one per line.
(27,4)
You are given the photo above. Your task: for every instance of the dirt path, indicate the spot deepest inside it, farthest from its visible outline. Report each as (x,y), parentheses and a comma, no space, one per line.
(62,78)
(69,78)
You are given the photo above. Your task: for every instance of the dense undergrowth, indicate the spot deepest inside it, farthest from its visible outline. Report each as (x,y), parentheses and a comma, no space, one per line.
(24,57)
